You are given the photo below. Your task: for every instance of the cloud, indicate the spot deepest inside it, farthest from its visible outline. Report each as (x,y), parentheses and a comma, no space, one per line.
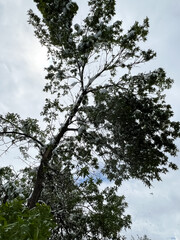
(22,60)
(155,211)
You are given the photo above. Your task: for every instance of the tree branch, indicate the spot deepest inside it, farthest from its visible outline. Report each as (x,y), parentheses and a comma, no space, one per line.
(23,134)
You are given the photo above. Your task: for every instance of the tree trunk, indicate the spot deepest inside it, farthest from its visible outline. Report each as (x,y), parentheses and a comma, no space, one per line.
(41,174)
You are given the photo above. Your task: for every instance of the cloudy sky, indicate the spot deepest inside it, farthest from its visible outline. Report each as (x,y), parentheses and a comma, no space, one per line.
(155,211)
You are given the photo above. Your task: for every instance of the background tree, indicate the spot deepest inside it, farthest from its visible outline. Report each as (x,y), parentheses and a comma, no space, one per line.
(102,121)
(142,238)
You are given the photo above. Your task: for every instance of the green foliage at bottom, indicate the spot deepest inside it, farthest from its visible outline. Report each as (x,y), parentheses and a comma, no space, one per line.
(17,222)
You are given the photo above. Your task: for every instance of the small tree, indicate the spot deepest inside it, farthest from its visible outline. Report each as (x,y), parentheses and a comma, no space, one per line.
(102,121)
(142,238)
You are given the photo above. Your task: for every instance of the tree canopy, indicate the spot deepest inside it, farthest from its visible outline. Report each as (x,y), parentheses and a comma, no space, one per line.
(103,123)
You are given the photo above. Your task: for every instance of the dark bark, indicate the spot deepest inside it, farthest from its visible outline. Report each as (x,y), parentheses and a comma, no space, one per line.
(38,187)
(5,198)
(43,168)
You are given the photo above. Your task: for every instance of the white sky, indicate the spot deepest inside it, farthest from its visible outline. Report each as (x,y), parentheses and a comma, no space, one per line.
(155,211)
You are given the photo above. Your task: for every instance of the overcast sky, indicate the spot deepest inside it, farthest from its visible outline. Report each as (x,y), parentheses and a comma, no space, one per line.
(155,211)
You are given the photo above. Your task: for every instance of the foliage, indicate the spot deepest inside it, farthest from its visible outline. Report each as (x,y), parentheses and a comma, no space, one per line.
(83,211)
(104,124)
(19,222)
(15,185)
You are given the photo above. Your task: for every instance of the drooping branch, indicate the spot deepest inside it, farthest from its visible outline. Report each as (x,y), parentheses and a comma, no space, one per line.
(22,134)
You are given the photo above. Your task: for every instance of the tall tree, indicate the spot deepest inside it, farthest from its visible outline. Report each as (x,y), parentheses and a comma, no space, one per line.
(103,123)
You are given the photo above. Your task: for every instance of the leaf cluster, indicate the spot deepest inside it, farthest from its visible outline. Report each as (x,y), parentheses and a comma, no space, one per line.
(18,222)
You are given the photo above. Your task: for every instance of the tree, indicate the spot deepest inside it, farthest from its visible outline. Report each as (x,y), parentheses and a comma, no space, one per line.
(142,238)
(102,121)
